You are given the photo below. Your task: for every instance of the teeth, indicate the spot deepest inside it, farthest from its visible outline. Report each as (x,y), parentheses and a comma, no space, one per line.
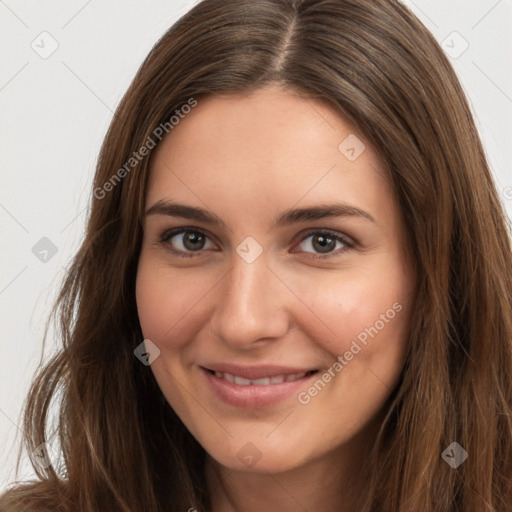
(265,381)
(295,377)
(261,382)
(240,381)
(229,377)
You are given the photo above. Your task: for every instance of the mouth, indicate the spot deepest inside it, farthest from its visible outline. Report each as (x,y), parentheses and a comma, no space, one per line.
(255,387)
(263,381)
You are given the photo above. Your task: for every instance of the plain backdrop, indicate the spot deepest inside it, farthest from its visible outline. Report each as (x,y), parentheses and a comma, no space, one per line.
(65,66)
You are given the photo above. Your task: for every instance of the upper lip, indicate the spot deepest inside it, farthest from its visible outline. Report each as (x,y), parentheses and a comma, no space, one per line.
(256,372)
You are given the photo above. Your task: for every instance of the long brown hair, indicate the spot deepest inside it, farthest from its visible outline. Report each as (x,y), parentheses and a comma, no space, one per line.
(122,446)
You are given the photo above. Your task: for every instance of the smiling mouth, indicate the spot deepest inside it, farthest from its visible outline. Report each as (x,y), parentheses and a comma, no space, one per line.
(265,381)
(251,387)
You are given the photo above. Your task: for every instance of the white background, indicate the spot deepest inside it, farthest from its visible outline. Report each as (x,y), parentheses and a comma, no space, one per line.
(55,113)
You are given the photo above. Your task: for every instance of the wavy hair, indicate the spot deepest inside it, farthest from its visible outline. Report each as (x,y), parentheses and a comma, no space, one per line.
(122,448)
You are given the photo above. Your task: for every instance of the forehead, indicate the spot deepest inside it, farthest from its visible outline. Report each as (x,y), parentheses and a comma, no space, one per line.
(267,148)
(279,120)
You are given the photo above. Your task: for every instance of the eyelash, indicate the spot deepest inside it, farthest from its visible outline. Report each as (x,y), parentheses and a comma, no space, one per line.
(167,235)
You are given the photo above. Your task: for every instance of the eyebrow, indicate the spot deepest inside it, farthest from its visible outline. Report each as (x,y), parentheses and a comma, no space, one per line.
(291,216)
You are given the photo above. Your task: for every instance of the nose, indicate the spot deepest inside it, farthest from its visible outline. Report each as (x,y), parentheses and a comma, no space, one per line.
(253,305)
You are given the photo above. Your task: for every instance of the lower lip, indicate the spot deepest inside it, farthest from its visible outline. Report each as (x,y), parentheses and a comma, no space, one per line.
(252,397)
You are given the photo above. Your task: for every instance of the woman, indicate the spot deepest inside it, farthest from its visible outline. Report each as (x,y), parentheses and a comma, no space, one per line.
(295,287)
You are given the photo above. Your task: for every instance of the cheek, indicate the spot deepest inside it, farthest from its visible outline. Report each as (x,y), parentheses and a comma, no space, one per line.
(169,304)
(368,335)
(360,307)
(167,299)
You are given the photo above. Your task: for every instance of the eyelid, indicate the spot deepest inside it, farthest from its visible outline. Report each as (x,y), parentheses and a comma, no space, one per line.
(326,231)
(169,233)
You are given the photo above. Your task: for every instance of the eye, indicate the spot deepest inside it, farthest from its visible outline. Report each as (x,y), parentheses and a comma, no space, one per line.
(190,242)
(186,241)
(324,244)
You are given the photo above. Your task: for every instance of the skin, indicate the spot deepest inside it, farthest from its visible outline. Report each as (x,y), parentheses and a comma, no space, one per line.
(248,159)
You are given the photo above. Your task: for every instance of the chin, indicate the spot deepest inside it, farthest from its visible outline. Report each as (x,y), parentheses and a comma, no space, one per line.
(259,455)
(251,460)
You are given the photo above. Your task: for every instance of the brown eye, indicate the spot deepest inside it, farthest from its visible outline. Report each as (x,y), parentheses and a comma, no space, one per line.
(193,241)
(324,244)
(185,241)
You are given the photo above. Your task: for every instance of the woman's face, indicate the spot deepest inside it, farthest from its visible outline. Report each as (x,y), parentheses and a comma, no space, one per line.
(271,279)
